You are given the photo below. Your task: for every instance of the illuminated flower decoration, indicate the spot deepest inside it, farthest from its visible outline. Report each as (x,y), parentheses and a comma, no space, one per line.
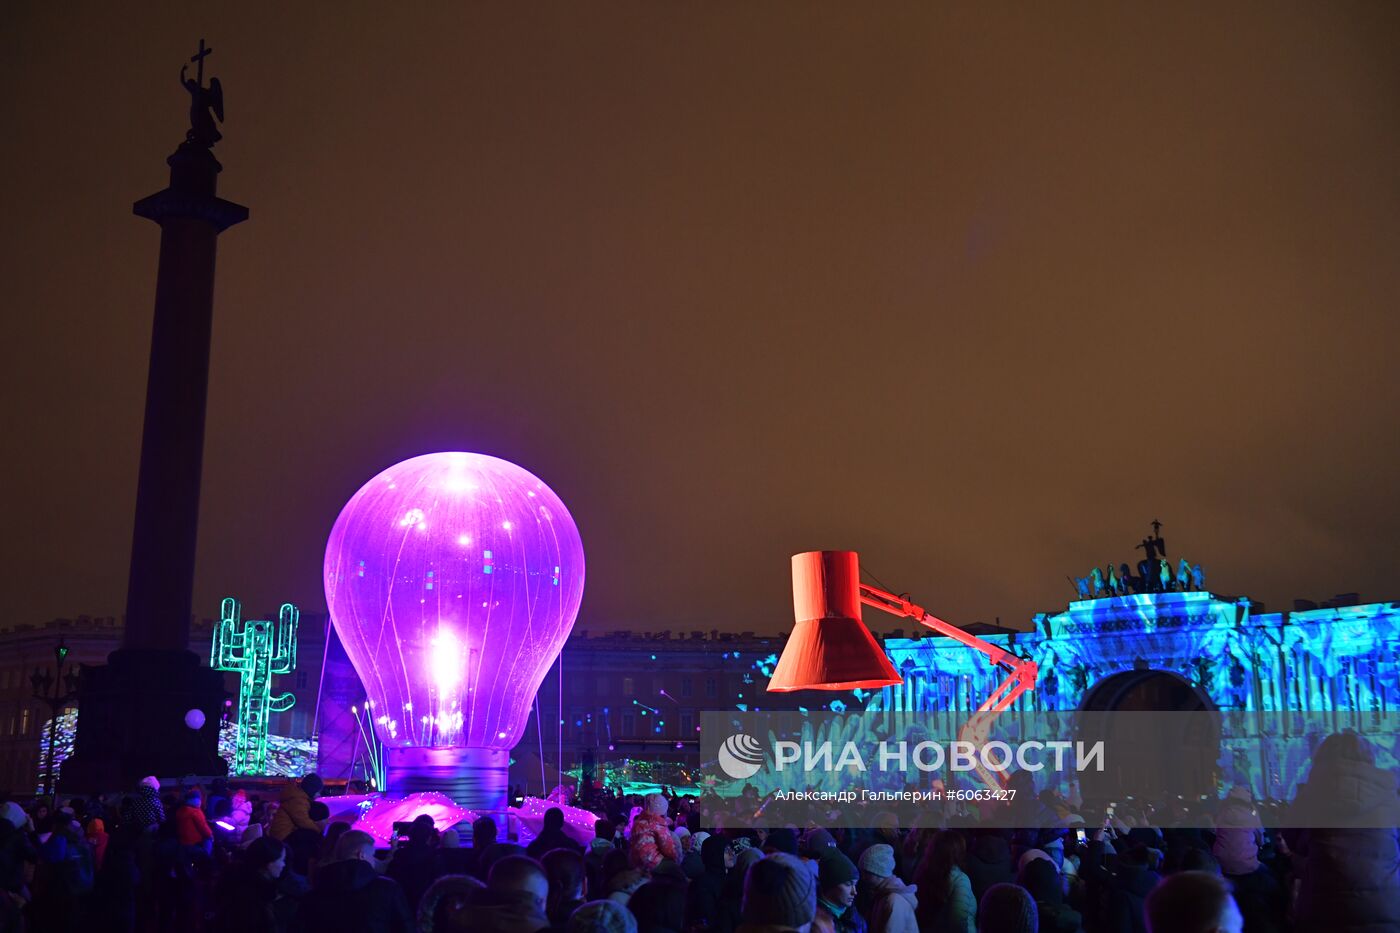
(379,817)
(579,824)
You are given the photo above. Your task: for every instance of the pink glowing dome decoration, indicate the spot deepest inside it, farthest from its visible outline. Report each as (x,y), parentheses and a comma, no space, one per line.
(453,580)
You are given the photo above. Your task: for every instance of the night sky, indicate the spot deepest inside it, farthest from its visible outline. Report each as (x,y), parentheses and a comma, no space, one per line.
(978,293)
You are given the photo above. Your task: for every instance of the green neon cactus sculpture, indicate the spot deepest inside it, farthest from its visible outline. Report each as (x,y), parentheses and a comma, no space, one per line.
(255,649)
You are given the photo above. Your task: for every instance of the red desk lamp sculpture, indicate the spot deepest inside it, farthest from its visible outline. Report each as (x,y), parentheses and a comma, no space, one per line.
(831,649)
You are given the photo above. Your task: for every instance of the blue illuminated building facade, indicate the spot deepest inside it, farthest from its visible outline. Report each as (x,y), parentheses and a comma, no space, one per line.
(1188,650)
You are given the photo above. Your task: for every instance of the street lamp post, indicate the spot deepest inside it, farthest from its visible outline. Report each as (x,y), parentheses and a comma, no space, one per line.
(57,690)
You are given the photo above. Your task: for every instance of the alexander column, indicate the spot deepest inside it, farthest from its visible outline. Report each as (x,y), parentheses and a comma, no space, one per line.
(132,718)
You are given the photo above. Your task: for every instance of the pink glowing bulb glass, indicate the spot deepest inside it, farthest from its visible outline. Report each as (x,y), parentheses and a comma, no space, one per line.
(453,580)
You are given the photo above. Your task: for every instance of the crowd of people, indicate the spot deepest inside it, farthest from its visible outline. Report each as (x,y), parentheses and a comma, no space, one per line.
(219,860)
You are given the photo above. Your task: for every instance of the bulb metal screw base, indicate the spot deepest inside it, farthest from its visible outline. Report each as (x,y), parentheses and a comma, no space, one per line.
(476,778)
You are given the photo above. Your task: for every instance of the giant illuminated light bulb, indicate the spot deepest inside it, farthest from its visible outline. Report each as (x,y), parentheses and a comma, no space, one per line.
(453,580)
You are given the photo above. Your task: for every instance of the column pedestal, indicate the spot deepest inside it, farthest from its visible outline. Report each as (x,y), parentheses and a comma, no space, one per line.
(132,722)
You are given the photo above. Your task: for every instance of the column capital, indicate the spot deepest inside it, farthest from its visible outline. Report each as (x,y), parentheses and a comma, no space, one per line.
(217,212)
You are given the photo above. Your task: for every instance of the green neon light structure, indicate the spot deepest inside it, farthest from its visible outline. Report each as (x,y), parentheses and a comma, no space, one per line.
(256,649)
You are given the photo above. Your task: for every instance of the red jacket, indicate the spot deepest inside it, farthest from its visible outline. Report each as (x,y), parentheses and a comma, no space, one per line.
(651,842)
(191,828)
(97,838)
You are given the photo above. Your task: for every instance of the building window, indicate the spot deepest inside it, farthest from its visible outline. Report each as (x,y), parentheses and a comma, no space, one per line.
(602,686)
(301,680)
(24,721)
(686,689)
(629,725)
(711,687)
(687,724)
(627,686)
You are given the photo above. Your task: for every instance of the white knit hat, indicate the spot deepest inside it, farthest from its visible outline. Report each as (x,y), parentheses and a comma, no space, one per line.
(1030,855)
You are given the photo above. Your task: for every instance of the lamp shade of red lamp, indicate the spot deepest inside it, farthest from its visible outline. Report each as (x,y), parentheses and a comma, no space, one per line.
(830,648)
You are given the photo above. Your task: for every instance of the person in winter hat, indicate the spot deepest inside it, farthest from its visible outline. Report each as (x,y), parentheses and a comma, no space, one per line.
(1007,908)
(1032,855)
(882,897)
(887,831)
(96,834)
(602,917)
(1238,838)
(705,903)
(217,801)
(816,843)
(836,895)
(651,839)
(240,814)
(691,862)
(733,894)
(149,812)
(1238,833)
(295,810)
(246,898)
(1040,878)
(191,826)
(779,894)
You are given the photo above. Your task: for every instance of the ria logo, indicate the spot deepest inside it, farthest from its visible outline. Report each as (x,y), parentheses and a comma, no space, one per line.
(741,757)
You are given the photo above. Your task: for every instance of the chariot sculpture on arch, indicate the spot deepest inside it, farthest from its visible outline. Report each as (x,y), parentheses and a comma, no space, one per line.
(1155,574)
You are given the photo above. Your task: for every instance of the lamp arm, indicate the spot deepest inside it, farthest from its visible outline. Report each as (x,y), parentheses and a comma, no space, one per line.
(1021,673)
(1021,670)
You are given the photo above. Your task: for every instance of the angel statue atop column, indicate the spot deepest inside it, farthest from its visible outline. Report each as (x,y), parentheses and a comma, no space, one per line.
(203,131)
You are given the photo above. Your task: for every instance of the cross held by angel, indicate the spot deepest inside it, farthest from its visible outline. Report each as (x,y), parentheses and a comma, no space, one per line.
(203,130)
